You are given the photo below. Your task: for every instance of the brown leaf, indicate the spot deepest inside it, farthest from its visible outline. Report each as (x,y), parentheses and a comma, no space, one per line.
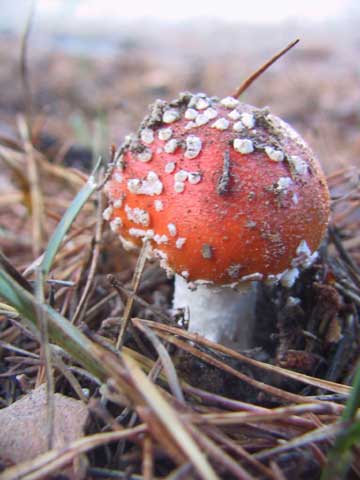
(23,425)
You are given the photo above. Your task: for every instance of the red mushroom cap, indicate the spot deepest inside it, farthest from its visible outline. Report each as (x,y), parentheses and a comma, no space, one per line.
(221,189)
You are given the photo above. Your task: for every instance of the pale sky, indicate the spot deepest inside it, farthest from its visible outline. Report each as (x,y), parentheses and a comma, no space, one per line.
(108,15)
(247,10)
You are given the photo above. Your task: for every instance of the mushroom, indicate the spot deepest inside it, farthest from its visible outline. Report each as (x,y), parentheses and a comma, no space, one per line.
(227,195)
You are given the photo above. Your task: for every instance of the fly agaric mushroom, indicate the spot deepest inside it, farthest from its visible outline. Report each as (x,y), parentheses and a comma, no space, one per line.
(226,194)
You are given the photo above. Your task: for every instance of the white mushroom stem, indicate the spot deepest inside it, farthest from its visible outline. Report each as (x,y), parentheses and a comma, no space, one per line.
(222,314)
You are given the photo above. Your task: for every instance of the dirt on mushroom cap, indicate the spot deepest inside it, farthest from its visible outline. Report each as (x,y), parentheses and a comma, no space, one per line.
(222,190)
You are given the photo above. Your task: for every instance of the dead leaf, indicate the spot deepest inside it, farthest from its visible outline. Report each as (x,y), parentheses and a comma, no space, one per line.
(23,425)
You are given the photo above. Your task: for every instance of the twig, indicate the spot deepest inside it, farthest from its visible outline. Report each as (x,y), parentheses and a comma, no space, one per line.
(140,264)
(246,84)
(155,310)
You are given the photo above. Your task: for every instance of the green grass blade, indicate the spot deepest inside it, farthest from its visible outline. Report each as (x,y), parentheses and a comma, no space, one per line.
(65,223)
(353,402)
(61,331)
(340,457)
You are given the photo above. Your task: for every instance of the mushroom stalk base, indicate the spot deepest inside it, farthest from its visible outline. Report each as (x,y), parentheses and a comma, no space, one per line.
(224,314)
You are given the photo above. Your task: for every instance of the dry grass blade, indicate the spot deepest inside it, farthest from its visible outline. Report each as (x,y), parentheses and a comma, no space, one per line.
(24,70)
(36,196)
(219,456)
(246,84)
(15,160)
(325,433)
(166,361)
(48,462)
(140,264)
(315,382)
(233,447)
(124,377)
(148,459)
(282,413)
(46,356)
(158,313)
(272,391)
(66,372)
(171,423)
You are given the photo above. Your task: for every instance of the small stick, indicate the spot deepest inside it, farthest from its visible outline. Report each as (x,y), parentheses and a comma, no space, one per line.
(134,286)
(246,84)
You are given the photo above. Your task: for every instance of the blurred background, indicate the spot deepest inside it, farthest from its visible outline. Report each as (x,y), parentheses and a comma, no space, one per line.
(95,65)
